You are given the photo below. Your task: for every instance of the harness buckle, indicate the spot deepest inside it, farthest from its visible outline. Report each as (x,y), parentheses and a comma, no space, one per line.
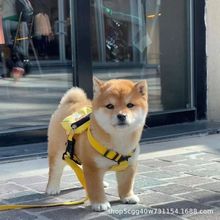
(119,160)
(111,155)
(116,155)
(106,153)
(123,158)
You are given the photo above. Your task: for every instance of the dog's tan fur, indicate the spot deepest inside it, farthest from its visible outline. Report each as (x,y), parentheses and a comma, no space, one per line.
(119,138)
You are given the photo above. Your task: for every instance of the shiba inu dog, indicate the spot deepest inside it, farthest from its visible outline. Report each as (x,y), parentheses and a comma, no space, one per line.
(119,110)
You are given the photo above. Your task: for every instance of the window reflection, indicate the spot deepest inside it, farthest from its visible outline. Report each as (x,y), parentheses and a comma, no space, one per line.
(145,39)
(128,31)
(44,43)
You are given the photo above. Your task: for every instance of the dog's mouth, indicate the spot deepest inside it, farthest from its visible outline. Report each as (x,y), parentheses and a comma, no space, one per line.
(121,124)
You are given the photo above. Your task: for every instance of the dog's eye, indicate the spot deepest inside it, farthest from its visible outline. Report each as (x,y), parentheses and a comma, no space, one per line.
(109,106)
(130,105)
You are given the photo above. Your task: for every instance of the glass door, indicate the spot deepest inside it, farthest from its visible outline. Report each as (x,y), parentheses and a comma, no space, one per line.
(146,39)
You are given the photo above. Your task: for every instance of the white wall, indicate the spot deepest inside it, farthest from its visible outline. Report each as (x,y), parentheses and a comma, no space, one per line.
(213,58)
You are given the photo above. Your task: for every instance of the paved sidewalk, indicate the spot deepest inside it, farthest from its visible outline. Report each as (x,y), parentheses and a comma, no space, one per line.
(177,179)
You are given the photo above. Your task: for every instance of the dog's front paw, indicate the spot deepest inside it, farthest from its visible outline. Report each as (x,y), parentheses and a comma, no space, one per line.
(131,199)
(52,190)
(100,207)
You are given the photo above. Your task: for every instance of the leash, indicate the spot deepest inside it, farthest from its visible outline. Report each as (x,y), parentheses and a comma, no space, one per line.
(31,206)
(79,173)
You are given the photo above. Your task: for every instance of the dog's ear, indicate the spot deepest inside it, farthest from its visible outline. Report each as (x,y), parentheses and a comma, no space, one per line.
(97,83)
(142,87)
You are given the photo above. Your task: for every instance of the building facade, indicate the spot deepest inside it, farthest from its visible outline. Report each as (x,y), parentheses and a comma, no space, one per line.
(161,41)
(213,66)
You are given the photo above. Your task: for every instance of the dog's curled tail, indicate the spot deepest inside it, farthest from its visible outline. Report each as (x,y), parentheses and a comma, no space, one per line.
(73,95)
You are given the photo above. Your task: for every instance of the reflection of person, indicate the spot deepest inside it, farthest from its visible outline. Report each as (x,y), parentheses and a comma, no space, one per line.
(14,27)
(43,32)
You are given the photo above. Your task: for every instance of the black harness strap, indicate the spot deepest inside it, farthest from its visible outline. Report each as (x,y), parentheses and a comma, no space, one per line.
(80,122)
(71,144)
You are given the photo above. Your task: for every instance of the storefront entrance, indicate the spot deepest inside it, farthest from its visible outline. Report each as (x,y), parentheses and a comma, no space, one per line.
(132,39)
(148,40)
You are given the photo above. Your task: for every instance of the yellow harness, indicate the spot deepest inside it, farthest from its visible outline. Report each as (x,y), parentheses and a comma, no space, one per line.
(74,125)
(79,122)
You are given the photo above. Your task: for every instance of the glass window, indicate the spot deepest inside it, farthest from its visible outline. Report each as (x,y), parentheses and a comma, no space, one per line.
(145,39)
(41,46)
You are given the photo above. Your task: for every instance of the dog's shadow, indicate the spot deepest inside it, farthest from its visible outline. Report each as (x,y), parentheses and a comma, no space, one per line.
(31,197)
(69,194)
(113,201)
(70,190)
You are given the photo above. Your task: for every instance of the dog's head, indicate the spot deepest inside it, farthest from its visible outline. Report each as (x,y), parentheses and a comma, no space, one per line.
(120,105)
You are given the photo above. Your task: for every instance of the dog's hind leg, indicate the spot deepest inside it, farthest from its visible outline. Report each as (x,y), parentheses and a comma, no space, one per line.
(56,165)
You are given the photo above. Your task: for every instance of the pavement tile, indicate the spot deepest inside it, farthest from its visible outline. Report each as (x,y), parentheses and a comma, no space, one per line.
(11,188)
(156,198)
(191,180)
(155,163)
(16,215)
(69,185)
(110,177)
(207,156)
(201,196)
(71,194)
(125,211)
(69,178)
(215,204)
(205,172)
(68,172)
(173,158)
(162,174)
(213,166)
(3,182)
(101,217)
(39,187)
(159,217)
(22,197)
(213,216)
(203,155)
(29,180)
(215,187)
(216,177)
(178,168)
(182,207)
(173,189)
(112,191)
(113,199)
(143,183)
(145,169)
(70,213)
(196,162)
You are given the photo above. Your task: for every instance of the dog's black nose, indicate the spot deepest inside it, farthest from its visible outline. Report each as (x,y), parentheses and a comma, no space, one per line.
(121,117)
